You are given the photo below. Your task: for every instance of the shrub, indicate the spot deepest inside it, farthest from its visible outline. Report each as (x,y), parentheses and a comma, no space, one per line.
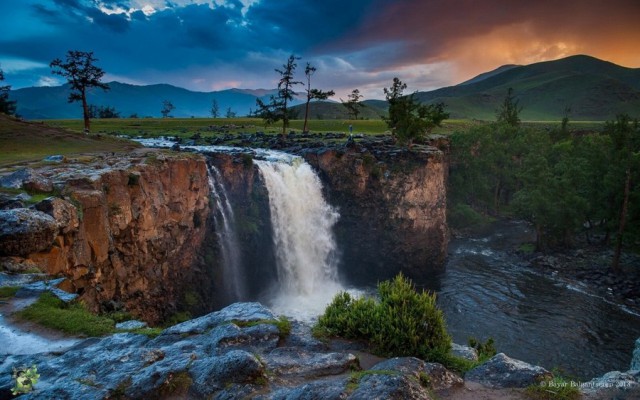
(403,322)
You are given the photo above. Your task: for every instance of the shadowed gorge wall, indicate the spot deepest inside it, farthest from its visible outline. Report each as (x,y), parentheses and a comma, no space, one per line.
(392,206)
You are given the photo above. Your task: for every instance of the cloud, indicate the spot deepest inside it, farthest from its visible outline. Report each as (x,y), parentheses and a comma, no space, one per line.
(200,44)
(48,81)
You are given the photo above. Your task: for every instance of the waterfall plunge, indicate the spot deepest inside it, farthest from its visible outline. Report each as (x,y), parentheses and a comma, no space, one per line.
(225,227)
(305,246)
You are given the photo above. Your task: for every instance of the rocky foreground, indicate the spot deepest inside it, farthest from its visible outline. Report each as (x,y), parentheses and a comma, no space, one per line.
(239,352)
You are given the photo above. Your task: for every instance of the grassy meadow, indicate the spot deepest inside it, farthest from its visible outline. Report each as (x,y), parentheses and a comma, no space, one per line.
(27,142)
(185,127)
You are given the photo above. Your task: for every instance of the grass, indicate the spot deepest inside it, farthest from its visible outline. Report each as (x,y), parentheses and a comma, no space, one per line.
(207,127)
(282,323)
(72,318)
(557,388)
(7,292)
(26,142)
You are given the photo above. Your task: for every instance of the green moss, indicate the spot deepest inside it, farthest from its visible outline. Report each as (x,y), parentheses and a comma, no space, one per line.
(282,323)
(72,318)
(178,317)
(527,248)
(7,292)
(176,385)
(355,377)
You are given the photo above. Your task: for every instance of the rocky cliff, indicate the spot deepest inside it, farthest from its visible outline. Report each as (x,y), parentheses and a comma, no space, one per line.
(127,229)
(392,205)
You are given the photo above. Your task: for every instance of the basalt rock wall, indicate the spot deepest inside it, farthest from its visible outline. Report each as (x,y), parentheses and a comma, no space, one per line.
(130,229)
(392,206)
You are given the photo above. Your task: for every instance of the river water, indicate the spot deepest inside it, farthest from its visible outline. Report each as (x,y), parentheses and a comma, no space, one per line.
(486,292)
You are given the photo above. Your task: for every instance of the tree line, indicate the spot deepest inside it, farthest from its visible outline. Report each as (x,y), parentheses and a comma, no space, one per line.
(565,184)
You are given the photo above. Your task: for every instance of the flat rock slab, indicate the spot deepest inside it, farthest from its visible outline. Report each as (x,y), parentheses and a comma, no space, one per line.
(502,371)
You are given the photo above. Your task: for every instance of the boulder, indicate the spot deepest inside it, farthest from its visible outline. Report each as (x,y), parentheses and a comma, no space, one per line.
(439,378)
(387,385)
(131,325)
(502,371)
(17,265)
(24,231)
(27,179)
(466,352)
(635,359)
(613,385)
(65,213)
(244,312)
(292,361)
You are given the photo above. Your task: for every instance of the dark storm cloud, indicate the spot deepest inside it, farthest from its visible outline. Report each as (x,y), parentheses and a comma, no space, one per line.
(354,43)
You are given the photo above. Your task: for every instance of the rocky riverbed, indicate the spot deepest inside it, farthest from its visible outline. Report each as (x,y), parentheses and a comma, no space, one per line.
(242,352)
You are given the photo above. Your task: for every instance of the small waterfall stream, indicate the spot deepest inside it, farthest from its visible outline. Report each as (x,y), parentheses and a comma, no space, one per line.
(225,228)
(306,249)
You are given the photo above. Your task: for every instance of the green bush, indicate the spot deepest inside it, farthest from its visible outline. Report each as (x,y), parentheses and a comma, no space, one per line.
(463,216)
(403,322)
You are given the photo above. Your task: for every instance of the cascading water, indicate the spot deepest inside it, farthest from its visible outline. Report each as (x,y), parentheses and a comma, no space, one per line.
(228,239)
(302,224)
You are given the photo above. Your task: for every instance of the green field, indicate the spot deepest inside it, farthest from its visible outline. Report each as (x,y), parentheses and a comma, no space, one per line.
(185,127)
(27,142)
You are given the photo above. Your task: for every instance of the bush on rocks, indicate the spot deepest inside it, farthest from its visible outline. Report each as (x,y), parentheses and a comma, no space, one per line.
(403,322)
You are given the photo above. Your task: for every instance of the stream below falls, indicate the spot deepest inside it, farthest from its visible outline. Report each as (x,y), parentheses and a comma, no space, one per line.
(485,292)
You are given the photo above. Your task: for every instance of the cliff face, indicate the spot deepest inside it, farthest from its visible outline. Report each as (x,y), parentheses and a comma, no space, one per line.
(392,209)
(130,230)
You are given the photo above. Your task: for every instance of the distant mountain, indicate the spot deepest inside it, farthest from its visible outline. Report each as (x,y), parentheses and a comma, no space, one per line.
(51,102)
(592,88)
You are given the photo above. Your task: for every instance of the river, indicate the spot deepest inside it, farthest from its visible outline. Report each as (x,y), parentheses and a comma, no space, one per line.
(486,292)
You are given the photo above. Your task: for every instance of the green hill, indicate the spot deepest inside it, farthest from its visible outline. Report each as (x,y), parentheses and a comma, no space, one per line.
(592,88)
(371,109)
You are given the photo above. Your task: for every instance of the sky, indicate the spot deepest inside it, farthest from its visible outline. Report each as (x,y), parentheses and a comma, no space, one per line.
(210,45)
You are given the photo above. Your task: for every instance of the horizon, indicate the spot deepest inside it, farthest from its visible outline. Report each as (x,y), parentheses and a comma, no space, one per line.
(214,45)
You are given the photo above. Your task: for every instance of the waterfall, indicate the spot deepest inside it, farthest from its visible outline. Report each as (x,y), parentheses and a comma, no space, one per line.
(302,223)
(228,239)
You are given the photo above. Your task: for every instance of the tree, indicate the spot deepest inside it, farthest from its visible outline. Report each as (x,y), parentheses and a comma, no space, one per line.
(215,111)
(407,118)
(353,104)
(622,175)
(509,111)
(167,107)
(81,74)
(108,112)
(6,106)
(277,108)
(230,113)
(313,94)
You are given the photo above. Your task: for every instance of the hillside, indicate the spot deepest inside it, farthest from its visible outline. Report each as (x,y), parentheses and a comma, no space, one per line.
(145,101)
(372,109)
(25,141)
(592,88)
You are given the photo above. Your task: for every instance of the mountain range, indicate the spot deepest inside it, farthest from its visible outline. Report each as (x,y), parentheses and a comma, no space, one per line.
(592,89)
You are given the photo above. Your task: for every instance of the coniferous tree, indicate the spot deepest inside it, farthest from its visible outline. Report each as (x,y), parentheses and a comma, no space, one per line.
(6,106)
(353,104)
(509,111)
(81,74)
(313,94)
(278,107)
(166,109)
